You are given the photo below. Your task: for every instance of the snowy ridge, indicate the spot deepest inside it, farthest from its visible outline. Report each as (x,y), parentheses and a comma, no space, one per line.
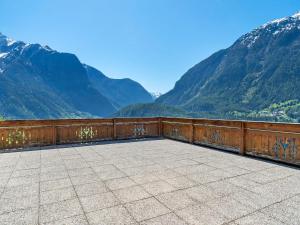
(3,54)
(294,17)
(8,44)
(274,27)
(155,95)
(6,41)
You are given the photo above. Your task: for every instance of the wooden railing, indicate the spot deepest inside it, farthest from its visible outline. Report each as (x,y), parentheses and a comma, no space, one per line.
(278,141)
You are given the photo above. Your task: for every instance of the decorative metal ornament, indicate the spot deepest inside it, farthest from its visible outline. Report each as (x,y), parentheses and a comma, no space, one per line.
(86,133)
(139,130)
(216,137)
(16,137)
(175,133)
(288,147)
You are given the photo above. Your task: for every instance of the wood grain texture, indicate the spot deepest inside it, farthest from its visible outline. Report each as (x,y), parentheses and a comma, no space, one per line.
(277,141)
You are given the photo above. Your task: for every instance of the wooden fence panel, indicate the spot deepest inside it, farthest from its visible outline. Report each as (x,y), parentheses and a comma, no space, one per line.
(178,129)
(81,133)
(227,138)
(20,137)
(274,141)
(128,128)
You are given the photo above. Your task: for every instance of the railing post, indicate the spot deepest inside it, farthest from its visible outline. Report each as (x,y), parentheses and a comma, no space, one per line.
(159,126)
(114,129)
(54,137)
(192,132)
(242,138)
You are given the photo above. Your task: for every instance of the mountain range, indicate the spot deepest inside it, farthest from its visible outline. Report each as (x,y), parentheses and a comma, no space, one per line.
(257,77)
(37,82)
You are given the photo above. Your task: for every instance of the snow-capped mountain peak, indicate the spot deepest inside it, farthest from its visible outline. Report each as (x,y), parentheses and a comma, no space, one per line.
(294,17)
(155,95)
(4,40)
(8,44)
(274,27)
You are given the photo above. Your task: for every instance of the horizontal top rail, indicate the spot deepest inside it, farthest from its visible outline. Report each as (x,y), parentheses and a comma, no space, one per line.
(25,121)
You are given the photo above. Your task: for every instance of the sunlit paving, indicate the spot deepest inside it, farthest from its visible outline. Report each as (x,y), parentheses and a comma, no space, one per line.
(153,181)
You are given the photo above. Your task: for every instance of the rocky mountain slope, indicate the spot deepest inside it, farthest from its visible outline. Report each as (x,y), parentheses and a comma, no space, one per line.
(151,110)
(261,68)
(121,92)
(39,82)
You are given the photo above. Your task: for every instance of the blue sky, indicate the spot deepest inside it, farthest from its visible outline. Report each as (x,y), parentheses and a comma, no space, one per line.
(151,41)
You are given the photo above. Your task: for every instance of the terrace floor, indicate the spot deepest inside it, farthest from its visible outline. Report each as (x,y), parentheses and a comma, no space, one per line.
(150,182)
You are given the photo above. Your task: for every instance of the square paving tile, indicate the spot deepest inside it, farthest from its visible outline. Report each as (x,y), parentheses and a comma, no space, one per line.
(22,217)
(229,207)
(168,219)
(55,184)
(158,187)
(166,174)
(181,182)
(90,189)
(28,180)
(97,202)
(194,169)
(80,172)
(57,195)
(25,173)
(21,190)
(117,215)
(60,210)
(13,204)
(224,187)
(180,163)
(259,177)
(236,171)
(131,194)
(252,199)
(110,174)
(103,168)
(203,178)
(278,190)
(144,178)
(202,193)
(53,175)
(146,209)
(242,182)
(52,168)
(257,218)
(176,200)
(201,215)
(119,183)
(287,212)
(86,179)
(75,220)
